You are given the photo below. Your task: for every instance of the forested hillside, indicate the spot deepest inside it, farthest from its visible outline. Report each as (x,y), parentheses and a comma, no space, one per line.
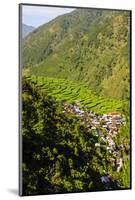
(61,153)
(86,45)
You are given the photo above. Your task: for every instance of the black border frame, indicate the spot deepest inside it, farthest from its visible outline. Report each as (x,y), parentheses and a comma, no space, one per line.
(20,5)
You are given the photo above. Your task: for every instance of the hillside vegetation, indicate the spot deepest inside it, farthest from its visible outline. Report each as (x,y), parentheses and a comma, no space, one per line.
(60,153)
(89,46)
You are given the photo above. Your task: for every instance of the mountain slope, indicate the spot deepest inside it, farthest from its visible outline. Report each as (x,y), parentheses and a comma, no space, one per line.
(87,45)
(26,30)
(59,151)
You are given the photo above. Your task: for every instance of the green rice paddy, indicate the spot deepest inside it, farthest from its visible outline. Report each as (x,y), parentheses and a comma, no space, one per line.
(70,92)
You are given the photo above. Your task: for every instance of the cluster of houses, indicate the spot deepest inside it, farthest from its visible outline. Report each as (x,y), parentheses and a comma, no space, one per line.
(105,127)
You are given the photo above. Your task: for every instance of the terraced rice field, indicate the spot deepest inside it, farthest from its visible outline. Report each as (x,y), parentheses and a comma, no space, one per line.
(70,92)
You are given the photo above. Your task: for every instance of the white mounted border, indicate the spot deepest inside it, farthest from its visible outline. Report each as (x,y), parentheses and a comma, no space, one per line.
(9,98)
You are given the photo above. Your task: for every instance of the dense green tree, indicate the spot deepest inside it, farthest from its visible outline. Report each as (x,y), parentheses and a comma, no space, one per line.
(59,153)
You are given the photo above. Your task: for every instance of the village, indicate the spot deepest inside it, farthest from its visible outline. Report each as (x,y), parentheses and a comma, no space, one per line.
(105,127)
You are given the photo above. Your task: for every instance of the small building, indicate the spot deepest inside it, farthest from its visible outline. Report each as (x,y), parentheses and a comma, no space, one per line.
(115,115)
(97,144)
